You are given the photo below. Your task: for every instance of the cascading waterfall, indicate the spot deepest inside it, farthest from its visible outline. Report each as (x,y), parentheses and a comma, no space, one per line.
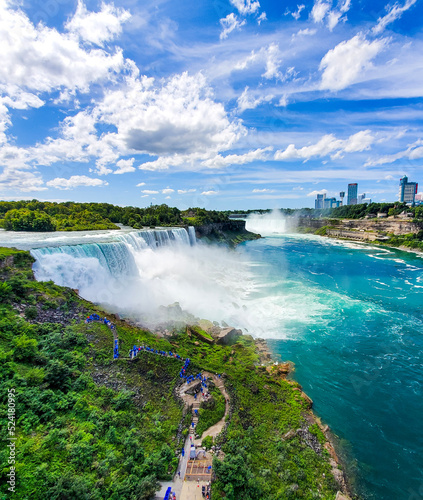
(141,271)
(270,224)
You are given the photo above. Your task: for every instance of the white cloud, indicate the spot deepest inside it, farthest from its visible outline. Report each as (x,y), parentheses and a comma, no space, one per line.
(75,181)
(41,59)
(168,191)
(262,17)
(97,27)
(246,101)
(149,191)
(394,13)
(209,193)
(346,63)
(246,6)
(304,32)
(413,152)
(125,166)
(315,193)
(141,184)
(297,14)
(168,198)
(21,180)
(328,145)
(322,10)
(270,56)
(177,117)
(185,191)
(229,24)
(263,191)
(223,161)
(319,11)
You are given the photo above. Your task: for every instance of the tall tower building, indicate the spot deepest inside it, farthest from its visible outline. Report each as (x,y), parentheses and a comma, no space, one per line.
(352,194)
(342,196)
(319,201)
(407,191)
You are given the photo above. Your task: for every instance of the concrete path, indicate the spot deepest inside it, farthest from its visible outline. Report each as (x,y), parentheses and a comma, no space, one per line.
(191,490)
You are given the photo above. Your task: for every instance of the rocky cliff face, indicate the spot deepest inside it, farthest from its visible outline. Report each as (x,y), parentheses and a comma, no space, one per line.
(363,229)
(229,233)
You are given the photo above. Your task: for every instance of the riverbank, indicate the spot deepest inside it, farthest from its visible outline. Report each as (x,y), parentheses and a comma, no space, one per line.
(286,369)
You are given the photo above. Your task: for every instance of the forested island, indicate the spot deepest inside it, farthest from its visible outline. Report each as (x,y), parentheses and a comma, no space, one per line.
(71,216)
(92,427)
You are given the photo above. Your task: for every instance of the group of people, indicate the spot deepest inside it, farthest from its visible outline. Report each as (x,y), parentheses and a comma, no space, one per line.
(169,495)
(96,318)
(167,354)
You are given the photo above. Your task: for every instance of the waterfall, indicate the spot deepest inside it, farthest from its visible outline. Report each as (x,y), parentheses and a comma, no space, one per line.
(192,237)
(97,268)
(270,224)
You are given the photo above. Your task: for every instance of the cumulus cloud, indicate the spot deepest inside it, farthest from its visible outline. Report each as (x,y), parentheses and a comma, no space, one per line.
(209,193)
(97,27)
(168,191)
(75,181)
(328,145)
(246,6)
(41,59)
(125,166)
(345,64)
(141,184)
(263,191)
(179,117)
(229,24)
(394,13)
(149,191)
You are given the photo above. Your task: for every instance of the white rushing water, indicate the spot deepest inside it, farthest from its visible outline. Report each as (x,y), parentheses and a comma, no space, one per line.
(269,224)
(136,272)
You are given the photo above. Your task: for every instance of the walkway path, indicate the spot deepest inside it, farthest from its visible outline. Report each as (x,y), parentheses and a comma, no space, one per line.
(189,486)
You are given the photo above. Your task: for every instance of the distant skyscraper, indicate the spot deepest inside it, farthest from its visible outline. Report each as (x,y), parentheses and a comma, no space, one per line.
(342,196)
(319,201)
(407,191)
(352,194)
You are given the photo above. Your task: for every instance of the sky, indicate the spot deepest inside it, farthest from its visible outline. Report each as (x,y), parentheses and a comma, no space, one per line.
(222,104)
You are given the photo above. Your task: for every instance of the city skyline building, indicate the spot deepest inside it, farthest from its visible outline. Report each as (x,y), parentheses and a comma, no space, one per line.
(352,194)
(407,191)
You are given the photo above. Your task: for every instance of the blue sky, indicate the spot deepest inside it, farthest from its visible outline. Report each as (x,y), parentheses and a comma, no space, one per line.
(226,104)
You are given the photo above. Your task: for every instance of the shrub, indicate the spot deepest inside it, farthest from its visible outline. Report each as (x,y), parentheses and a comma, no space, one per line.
(31,312)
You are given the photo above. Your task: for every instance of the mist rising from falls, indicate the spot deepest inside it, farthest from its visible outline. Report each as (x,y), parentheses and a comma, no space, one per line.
(140,271)
(270,223)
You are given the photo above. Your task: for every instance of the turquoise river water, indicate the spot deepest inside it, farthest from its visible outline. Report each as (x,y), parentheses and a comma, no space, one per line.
(356,338)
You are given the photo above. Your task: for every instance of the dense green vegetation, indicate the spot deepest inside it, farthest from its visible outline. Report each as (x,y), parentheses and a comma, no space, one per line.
(211,411)
(410,240)
(69,216)
(361,210)
(90,428)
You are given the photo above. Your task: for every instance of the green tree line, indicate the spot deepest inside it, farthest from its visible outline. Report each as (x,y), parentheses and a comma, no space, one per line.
(36,215)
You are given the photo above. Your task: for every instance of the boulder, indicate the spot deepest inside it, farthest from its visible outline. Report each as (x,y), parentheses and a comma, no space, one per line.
(228,336)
